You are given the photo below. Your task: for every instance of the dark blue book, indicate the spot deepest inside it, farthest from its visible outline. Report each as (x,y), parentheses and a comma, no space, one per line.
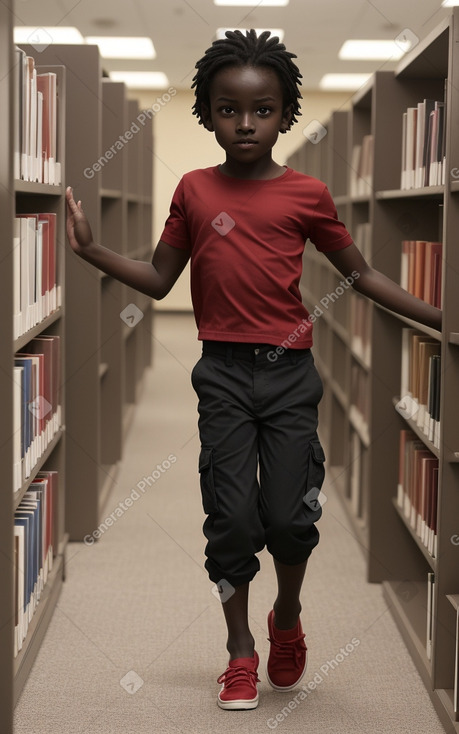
(33,506)
(24,520)
(27,417)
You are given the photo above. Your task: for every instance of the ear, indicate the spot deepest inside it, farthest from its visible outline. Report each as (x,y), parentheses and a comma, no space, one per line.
(207,118)
(286,119)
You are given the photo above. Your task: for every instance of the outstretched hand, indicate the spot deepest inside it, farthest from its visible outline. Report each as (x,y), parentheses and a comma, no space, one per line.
(78,230)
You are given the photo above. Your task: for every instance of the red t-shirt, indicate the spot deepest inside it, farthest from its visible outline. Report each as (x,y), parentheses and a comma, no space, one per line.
(246,241)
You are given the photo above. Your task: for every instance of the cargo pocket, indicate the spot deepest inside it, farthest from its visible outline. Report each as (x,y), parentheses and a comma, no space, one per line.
(315,479)
(206,473)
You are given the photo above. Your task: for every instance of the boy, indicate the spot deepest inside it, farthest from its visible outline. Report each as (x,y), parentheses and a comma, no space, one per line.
(244,225)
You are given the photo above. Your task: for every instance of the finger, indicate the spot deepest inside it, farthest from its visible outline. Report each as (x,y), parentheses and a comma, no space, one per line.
(72,205)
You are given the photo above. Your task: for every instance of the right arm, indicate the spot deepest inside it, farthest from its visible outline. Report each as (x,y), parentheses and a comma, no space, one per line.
(155,279)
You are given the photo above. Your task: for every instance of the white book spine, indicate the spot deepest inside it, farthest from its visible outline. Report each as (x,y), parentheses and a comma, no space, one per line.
(39,144)
(16,278)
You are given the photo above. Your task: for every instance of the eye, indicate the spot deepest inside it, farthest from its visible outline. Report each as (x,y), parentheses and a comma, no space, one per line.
(264,111)
(226,110)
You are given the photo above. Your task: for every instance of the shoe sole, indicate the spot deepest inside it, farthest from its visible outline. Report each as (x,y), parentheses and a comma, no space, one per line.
(241,705)
(293,685)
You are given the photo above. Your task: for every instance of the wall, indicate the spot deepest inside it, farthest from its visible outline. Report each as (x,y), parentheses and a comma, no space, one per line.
(181,144)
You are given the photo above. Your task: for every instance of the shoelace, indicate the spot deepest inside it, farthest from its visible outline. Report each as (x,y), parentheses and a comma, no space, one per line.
(289,648)
(234,675)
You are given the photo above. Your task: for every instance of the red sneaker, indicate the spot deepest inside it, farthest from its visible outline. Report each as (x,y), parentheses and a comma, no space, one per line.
(239,684)
(287,656)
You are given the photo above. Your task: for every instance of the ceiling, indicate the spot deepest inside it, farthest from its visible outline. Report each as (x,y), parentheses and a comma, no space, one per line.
(181,30)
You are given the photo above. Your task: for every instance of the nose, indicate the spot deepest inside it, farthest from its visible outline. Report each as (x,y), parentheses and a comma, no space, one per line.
(246,123)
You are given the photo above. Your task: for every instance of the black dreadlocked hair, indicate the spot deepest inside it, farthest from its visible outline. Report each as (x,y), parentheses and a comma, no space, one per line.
(238,49)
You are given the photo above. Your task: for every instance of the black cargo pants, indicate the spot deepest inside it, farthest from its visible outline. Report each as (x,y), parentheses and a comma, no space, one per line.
(261,463)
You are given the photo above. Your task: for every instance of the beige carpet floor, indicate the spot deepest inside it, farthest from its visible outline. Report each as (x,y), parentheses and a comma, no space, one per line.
(137,640)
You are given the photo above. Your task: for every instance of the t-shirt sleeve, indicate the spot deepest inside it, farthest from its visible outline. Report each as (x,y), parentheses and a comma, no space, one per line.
(327,232)
(175,232)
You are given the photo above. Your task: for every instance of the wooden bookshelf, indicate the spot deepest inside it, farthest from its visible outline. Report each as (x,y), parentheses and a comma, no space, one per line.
(6,372)
(105,355)
(87,445)
(363,455)
(26,197)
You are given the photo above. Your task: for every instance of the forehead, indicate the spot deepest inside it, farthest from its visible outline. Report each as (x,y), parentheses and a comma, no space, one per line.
(237,81)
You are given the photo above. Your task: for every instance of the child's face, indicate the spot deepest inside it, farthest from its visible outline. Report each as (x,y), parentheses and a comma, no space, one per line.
(246,111)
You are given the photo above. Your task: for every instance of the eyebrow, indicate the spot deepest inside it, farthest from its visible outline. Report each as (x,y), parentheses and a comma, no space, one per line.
(262,99)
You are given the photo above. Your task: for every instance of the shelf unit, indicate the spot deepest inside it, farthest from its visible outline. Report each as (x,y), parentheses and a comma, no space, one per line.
(138,207)
(106,355)
(95,356)
(25,197)
(361,427)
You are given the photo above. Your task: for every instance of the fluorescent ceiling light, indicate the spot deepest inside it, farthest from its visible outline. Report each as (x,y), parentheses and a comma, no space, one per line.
(343,82)
(367,49)
(449,3)
(252,3)
(123,47)
(141,79)
(279,32)
(43,37)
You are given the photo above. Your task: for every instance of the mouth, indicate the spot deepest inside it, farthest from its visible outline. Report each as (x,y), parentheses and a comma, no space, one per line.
(246,143)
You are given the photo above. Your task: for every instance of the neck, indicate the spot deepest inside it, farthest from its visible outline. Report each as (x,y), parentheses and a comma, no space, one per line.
(261,169)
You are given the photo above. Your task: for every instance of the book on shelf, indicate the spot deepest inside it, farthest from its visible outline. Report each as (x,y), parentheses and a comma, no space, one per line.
(356,474)
(360,327)
(362,239)
(35,115)
(423,145)
(359,408)
(417,490)
(35,523)
(430,612)
(456,667)
(420,382)
(421,270)
(36,293)
(37,401)
(361,175)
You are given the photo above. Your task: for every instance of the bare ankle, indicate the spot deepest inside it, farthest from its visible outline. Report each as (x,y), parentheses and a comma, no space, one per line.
(242,648)
(286,618)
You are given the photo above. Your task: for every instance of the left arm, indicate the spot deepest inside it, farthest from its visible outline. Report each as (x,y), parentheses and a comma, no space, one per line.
(383,290)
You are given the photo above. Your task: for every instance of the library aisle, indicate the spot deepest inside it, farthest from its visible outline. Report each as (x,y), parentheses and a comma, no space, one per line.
(137,639)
